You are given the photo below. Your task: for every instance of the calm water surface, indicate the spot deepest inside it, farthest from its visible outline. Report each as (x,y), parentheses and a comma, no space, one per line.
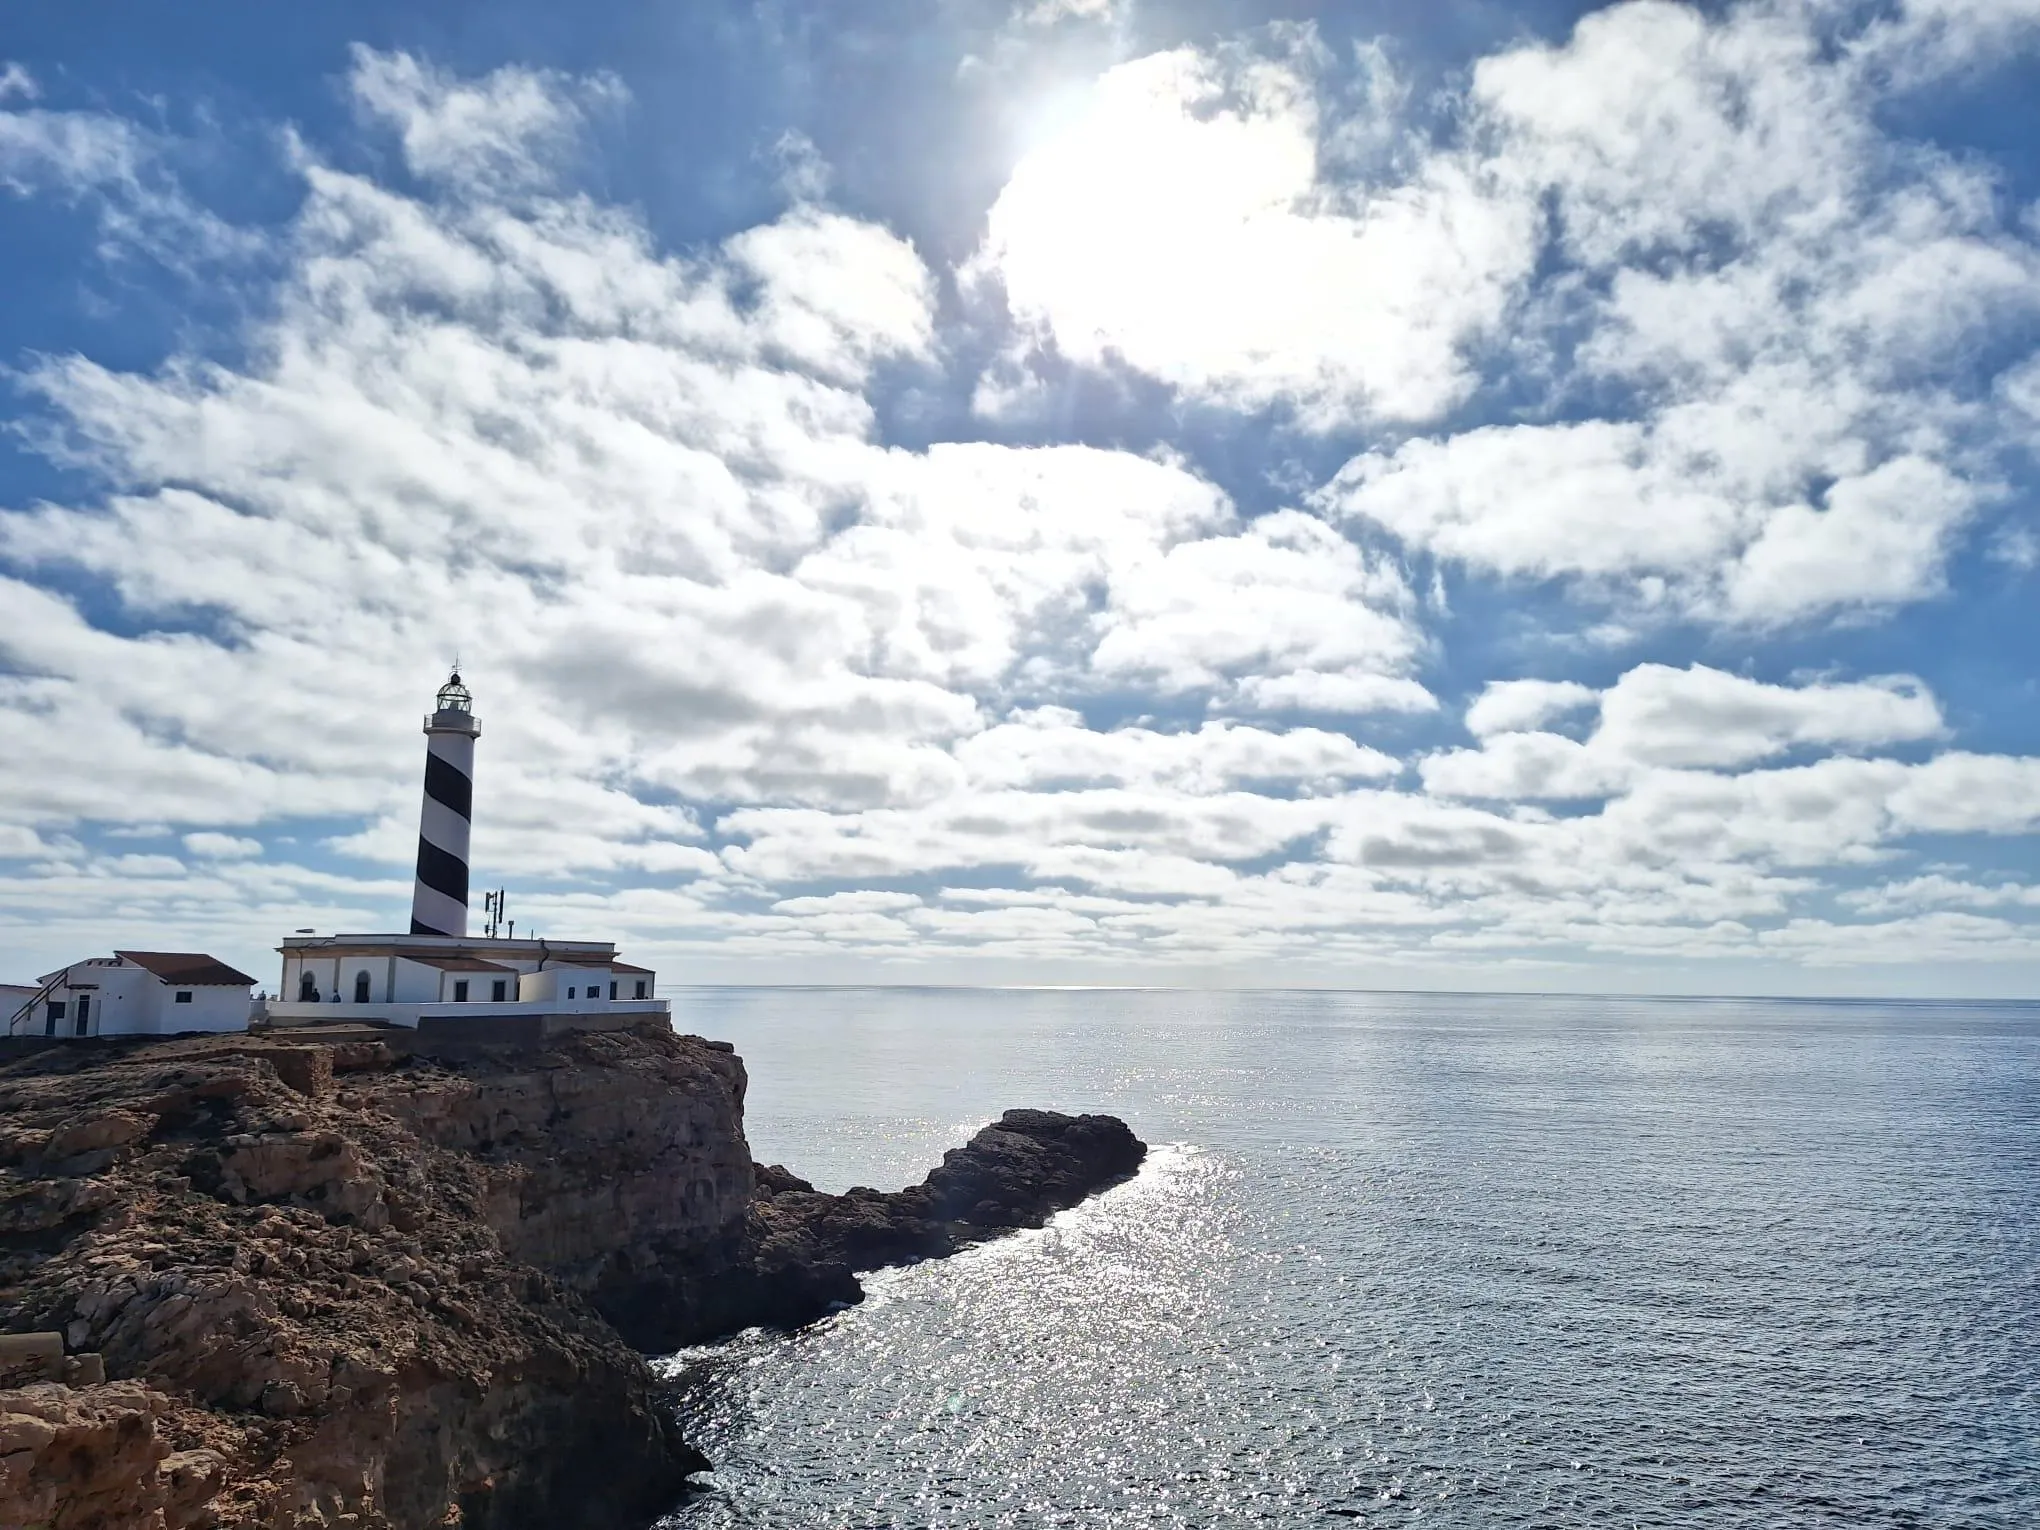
(1447,1261)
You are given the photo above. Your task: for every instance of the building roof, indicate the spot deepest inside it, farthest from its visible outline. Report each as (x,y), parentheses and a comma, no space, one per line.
(627,967)
(192,968)
(459,964)
(403,945)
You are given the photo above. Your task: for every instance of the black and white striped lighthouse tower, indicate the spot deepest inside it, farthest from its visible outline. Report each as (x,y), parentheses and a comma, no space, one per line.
(439,901)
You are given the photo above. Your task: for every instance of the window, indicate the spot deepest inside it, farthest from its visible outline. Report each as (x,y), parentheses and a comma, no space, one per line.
(640,988)
(570,993)
(460,991)
(612,988)
(361,988)
(183,996)
(498,989)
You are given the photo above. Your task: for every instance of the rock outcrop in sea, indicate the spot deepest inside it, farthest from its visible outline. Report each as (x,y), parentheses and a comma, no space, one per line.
(346,1285)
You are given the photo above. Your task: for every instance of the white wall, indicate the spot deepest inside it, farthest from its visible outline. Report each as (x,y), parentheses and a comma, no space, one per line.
(404,980)
(408,1014)
(481,986)
(121,1000)
(326,973)
(213,1007)
(128,1000)
(590,986)
(417,983)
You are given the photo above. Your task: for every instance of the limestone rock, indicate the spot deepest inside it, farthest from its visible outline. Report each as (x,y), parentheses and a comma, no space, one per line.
(801,1251)
(362,1306)
(86,1458)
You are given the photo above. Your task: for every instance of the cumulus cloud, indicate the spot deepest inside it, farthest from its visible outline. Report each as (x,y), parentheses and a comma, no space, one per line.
(1512,706)
(1335,691)
(758,682)
(1793,301)
(1051,746)
(1937,890)
(1181,224)
(1788,320)
(211,846)
(1656,717)
(1287,594)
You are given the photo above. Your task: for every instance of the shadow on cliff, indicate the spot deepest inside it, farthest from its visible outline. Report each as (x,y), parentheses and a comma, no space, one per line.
(801,1251)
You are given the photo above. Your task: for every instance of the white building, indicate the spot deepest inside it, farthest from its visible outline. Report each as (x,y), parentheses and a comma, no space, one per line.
(15,999)
(135,993)
(402,979)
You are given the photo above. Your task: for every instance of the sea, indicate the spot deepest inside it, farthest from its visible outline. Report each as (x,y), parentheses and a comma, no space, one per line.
(1423,1260)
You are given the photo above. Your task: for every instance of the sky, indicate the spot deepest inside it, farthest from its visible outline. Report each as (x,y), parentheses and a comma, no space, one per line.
(1460,496)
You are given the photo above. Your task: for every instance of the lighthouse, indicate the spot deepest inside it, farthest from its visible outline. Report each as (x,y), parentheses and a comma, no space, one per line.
(439,899)
(436,979)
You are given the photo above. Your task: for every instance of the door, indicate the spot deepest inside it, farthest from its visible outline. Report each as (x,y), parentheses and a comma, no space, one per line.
(81,1025)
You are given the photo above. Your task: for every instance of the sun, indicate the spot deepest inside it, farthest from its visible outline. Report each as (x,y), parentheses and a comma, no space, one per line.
(1146,218)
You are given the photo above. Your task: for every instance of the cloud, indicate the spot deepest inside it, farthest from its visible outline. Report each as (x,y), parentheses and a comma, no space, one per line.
(18,842)
(1287,594)
(1683,323)
(1698,716)
(1656,717)
(1180,224)
(1517,766)
(1337,691)
(643,496)
(1512,706)
(1939,891)
(124,173)
(1792,304)
(1046,13)
(2018,548)
(506,131)
(759,682)
(71,152)
(1939,937)
(1052,747)
(211,846)
(1924,40)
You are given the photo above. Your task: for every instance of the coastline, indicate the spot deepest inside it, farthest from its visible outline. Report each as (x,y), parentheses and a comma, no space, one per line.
(341,1285)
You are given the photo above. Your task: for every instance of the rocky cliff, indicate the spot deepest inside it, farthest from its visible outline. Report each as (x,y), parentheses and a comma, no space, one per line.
(800,1251)
(343,1285)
